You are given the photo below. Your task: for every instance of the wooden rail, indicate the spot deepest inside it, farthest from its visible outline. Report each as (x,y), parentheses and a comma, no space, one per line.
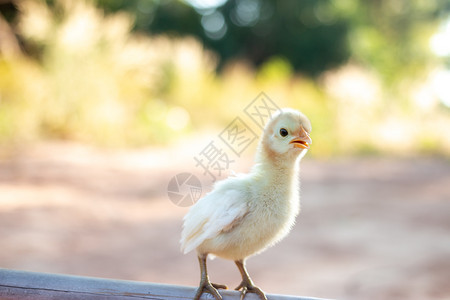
(16,285)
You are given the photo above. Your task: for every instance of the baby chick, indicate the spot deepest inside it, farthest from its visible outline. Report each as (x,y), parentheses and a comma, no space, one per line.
(246,214)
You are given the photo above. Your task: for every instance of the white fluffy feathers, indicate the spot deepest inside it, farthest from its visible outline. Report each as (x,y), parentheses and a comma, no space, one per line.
(244,215)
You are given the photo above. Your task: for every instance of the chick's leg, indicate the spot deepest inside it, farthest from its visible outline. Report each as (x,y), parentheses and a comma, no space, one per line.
(205,284)
(247,286)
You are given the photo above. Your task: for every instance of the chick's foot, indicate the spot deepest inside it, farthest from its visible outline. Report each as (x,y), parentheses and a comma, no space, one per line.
(247,285)
(207,286)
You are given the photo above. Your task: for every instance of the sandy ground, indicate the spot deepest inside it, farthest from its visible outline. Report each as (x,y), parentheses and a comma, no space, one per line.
(370,228)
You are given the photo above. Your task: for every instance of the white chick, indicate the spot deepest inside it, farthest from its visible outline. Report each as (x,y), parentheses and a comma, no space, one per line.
(246,214)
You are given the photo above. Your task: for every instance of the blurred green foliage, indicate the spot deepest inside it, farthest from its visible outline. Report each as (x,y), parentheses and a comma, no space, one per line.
(138,72)
(307,33)
(313,35)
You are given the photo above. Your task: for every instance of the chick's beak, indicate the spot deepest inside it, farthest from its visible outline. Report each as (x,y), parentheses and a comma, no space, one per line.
(303,141)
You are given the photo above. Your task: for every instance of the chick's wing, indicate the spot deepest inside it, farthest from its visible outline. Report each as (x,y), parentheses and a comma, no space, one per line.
(217,212)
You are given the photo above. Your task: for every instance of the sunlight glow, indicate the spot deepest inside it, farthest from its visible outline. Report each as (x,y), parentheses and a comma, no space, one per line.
(439,82)
(440,41)
(177,118)
(206,4)
(214,25)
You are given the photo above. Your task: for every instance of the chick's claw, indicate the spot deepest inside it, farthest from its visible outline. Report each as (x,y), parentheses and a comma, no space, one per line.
(219,286)
(248,287)
(211,288)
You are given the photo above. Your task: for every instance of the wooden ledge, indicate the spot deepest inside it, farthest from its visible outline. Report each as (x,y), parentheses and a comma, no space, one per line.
(16,285)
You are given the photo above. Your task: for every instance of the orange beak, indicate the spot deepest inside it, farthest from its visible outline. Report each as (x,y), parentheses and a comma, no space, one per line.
(303,141)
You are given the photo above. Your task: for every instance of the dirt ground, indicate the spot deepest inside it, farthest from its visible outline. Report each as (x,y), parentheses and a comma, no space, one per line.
(370,228)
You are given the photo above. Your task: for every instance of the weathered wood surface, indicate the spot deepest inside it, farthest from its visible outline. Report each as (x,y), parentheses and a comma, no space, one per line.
(39,286)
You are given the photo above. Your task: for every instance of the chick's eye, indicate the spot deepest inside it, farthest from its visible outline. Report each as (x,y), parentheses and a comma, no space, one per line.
(283,132)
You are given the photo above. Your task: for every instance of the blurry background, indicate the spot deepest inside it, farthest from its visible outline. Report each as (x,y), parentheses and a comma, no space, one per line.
(103,102)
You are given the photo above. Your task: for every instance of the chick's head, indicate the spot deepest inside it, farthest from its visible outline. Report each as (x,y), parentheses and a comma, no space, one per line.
(287,133)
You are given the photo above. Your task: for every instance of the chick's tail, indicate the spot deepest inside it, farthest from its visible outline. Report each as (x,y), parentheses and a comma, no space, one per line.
(191,236)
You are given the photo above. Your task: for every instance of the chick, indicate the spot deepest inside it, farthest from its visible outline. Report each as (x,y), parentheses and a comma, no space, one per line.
(245,214)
